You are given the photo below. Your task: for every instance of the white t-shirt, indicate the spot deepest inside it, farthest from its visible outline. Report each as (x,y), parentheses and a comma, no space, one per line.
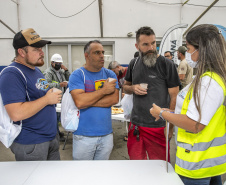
(211,98)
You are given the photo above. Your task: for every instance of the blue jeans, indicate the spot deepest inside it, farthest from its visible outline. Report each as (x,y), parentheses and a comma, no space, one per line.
(205,181)
(92,148)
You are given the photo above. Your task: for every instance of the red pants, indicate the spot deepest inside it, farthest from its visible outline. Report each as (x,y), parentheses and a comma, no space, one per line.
(152,142)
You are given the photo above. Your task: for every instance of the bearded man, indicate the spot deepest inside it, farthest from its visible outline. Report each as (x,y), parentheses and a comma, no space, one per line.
(146,139)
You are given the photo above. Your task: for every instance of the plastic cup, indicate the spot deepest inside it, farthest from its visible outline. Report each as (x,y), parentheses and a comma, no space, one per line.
(111,79)
(56,90)
(144,85)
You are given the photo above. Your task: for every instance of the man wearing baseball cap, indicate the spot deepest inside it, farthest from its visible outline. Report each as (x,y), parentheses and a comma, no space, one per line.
(28,100)
(185,72)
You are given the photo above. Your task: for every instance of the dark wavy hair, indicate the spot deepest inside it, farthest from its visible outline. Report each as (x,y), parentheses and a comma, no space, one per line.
(144,31)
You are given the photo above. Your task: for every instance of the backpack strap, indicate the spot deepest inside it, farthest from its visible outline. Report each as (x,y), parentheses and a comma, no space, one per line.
(135,62)
(21,74)
(83,75)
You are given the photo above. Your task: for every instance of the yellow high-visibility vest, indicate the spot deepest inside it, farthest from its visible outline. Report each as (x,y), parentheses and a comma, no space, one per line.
(203,154)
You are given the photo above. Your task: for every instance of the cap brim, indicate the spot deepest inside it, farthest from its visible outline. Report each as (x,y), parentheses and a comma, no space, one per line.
(41,43)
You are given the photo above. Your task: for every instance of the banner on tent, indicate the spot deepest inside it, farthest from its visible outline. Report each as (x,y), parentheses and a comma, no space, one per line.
(172,39)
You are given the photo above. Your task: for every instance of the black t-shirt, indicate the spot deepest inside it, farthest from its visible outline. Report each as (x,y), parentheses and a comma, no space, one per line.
(159,78)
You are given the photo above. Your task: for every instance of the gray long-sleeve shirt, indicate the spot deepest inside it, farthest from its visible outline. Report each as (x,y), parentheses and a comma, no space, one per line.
(54,80)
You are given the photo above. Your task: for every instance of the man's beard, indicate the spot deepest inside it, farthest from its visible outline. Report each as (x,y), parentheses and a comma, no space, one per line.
(149,59)
(178,56)
(39,63)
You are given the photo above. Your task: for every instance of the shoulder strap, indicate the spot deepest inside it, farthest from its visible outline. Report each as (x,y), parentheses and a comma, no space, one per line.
(83,75)
(22,75)
(134,65)
(135,62)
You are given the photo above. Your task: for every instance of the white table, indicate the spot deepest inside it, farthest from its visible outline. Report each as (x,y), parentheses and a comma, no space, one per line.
(119,117)
(113,172)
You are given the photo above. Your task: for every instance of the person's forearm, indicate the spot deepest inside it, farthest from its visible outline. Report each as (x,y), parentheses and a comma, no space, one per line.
(84,100)
(171,126)
(172,103)
(128,89)
(183,122)
(107,100)
(172,107)
(21,111)
(173,97)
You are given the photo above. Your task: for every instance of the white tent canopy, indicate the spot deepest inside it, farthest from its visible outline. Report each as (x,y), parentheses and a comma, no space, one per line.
(106,20)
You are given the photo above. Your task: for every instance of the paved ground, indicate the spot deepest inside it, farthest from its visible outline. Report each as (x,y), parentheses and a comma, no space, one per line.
(119,151)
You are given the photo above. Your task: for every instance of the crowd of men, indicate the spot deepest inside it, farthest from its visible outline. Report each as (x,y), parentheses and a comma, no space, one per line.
(94,96)
(161,92)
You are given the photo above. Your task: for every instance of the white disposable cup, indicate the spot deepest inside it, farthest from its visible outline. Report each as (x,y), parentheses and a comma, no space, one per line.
(111,79)
(144,85)
(56,90)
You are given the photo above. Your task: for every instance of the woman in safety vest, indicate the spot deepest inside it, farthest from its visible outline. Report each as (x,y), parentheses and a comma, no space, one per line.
(200,113)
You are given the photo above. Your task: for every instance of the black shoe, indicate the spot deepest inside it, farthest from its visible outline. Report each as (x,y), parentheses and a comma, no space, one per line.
(61,134)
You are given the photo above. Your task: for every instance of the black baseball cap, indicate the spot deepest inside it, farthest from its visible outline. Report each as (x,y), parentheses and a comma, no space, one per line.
(28,37)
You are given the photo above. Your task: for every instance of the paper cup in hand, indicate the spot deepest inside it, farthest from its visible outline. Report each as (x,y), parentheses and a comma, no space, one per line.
(57,90)
(111,79)
(144,85)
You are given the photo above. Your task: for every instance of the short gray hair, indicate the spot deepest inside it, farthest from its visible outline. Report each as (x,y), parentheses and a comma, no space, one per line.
(113,65)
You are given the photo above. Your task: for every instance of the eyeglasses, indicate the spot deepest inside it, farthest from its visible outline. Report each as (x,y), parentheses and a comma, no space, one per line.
(167,56)
(98,52)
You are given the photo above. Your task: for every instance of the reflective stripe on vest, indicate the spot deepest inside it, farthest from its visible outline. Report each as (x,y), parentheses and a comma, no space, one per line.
(202,164)
(218,141)
(203,154)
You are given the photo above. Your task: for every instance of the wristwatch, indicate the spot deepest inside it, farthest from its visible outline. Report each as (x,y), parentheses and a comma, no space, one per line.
(160,114)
